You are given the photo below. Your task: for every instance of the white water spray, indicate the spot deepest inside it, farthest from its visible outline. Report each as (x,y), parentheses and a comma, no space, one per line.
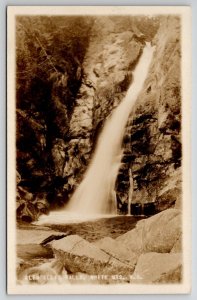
(95,196)
(95,193)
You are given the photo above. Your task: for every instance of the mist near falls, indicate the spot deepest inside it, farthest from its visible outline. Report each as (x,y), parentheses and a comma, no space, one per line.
(95,195)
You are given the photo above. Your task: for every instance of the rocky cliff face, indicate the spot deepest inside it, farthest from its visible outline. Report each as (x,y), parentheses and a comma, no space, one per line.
(107,73)
(65,113)
(153,135)
(49,61)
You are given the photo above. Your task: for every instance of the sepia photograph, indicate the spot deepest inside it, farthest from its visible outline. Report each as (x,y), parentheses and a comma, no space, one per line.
(98,110)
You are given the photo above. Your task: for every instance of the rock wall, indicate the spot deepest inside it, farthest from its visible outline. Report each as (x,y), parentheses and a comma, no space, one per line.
(152,140)
(50,53)
(107,73)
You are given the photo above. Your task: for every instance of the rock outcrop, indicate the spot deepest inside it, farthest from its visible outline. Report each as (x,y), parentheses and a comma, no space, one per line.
(116,249)
(78,255)
(107,67)
(152,140)
(159,233)
(50,53)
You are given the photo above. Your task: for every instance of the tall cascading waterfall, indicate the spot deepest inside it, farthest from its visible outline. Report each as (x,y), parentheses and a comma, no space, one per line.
(95,194)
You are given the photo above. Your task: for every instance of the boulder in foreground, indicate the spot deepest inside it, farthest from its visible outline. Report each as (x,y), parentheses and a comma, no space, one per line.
(78,255)
(155,234)
(117,250)
(158,267)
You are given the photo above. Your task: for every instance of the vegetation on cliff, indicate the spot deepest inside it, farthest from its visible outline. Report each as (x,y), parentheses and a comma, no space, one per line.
(49,57)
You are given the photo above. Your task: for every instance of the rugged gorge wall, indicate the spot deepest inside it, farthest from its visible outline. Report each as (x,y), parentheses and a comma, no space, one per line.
(153,136)
(61,108)
(110,58)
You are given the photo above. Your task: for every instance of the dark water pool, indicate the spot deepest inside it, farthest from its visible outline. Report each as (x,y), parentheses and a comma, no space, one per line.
(97,229)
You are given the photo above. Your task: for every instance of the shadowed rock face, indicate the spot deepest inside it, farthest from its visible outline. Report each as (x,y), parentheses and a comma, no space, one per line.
(153,135)
(108,64)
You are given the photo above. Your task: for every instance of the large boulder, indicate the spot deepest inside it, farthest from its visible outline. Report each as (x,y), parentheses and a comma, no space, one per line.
(78,255)
(177,248)
(155,234)
(158,267)
(172,276)
(133,239)
(115,249)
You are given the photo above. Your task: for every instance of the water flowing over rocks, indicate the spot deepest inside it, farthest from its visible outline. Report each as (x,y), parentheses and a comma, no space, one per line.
(107,76)
(43,273)
(106,160)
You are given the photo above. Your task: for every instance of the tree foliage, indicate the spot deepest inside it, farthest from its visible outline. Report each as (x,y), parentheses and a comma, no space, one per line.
(49,56)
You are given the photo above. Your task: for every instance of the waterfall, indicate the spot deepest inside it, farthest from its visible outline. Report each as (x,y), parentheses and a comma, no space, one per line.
(130,192)
(95,194)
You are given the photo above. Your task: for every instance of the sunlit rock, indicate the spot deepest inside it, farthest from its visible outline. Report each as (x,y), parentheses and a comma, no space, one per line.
(177,248)
(116,250)
(155,234)
(157,267)
(78,255)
